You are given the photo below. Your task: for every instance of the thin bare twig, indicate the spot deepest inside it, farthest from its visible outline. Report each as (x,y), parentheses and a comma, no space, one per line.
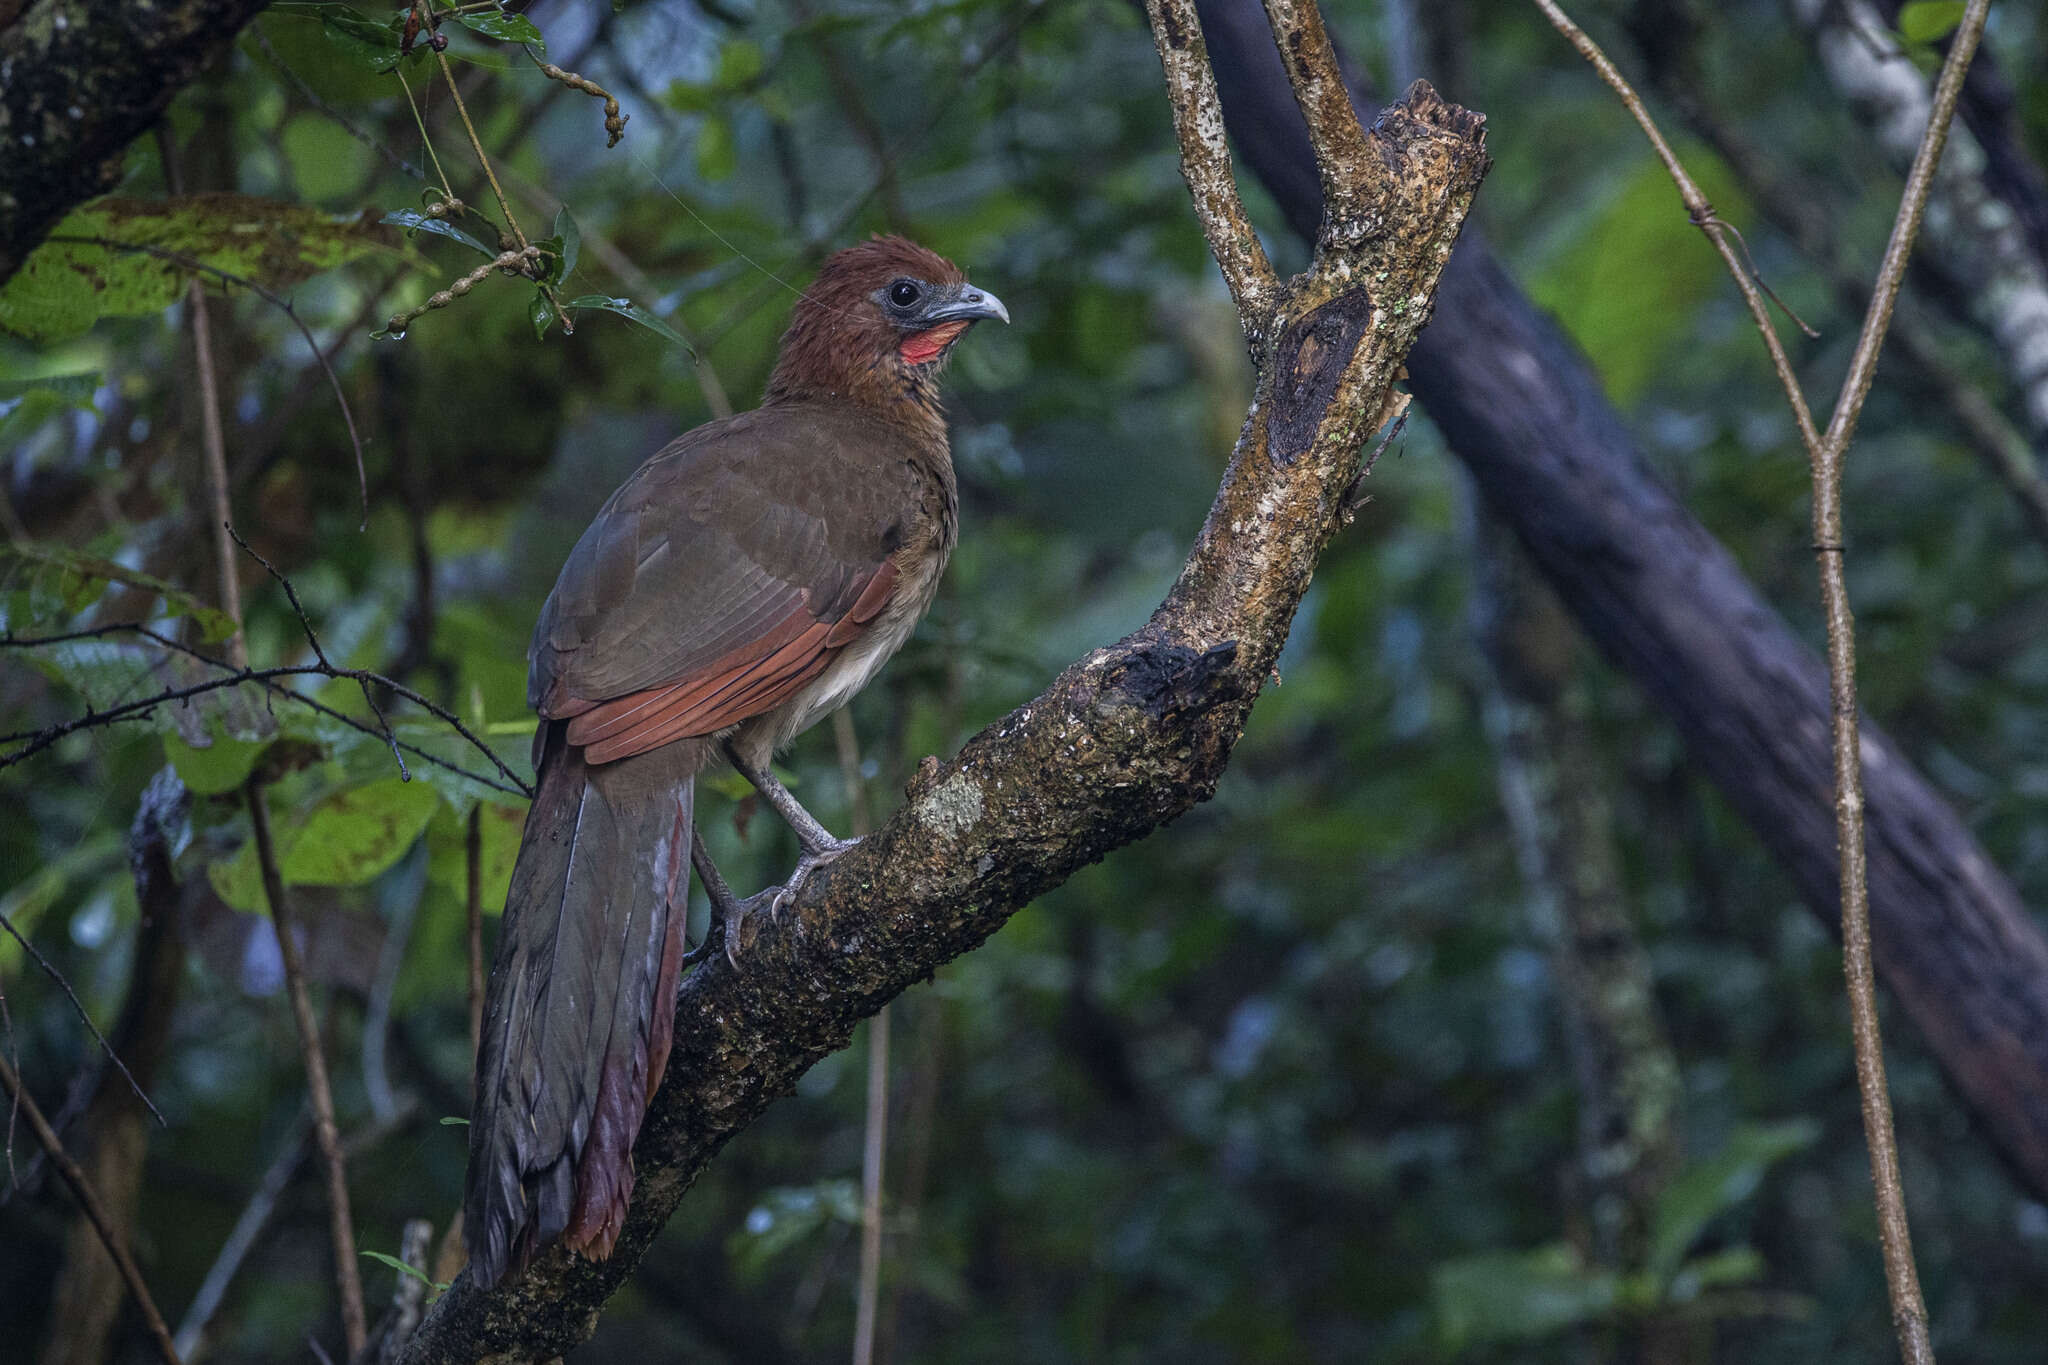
(614,121)
(313,639)
(35,741)
(78,1007)
(89,1201)
(874,1139)
(215,446)
(1826,452)
(1205,162)
(326,1133)
(1909,1312)
(1697,209)
(477,146)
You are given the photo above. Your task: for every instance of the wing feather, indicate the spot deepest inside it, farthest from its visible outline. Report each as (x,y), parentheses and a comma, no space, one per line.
(669,622)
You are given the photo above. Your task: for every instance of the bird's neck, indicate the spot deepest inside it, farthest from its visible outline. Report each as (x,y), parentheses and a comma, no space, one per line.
(905,398)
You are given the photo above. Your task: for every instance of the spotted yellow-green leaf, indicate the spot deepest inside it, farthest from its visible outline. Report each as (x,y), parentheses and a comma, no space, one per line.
(121,257)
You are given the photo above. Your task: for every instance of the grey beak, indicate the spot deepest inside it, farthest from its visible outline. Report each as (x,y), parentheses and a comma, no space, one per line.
(968,305)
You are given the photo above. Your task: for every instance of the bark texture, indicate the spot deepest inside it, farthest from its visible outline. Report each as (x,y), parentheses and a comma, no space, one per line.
(1668,605)
(1125,740)
(79,80)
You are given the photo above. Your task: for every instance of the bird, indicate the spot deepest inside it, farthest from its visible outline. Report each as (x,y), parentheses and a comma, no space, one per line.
(743,582)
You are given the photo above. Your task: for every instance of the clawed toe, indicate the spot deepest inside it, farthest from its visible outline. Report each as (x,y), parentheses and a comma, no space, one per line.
(776,899)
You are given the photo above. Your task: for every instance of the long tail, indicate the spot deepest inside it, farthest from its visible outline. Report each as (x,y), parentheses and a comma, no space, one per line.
(581,1005)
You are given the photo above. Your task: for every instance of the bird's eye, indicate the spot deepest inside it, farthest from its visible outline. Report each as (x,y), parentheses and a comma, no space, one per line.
(905,293)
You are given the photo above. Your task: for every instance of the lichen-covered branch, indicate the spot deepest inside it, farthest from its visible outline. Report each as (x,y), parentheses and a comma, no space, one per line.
(1122,742)
(1352,179)
(79,81)
(1205,161)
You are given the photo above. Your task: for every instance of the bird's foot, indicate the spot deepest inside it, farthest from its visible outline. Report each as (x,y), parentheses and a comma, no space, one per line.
(777,898)
(813,859)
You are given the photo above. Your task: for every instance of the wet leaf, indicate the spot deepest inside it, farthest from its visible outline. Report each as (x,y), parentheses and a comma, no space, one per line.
(414,221)
(626,308)
(507,28)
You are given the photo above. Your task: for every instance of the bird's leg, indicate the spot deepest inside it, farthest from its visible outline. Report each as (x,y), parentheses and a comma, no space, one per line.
(726,908)
(819,844)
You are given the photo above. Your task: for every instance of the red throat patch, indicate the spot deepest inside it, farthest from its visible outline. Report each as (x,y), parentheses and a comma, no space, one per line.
(921,348)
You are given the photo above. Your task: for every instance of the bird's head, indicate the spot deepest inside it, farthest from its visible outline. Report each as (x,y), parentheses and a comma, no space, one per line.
(877,325)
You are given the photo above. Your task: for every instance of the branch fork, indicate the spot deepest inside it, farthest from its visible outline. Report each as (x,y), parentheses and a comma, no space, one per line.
(1127,738)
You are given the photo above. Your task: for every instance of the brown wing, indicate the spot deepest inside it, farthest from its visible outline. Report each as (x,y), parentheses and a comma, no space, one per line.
(723,576)
(754,678)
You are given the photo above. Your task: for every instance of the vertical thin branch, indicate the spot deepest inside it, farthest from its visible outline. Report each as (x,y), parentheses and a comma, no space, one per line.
(1354,177)
(217,474)
(874,1141)
(213,441)
(1205,162)
(325,1131)
(82,1190)
(477,146)
(874,1146)
(1826,452)
(1909,1312)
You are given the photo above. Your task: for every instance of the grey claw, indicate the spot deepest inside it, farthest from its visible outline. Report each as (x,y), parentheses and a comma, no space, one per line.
(779,898)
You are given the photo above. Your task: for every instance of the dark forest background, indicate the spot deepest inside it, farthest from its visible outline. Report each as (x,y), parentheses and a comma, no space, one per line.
(1467,1022)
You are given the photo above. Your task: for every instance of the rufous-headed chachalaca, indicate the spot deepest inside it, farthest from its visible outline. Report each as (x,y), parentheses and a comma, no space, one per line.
(743,582)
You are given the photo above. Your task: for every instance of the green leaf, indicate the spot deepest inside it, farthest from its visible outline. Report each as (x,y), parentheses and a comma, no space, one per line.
(238,881)
(450,1121)
(131,257)
(1708,1188)
(77,580)
(364,41)
(739,62)
(499,828)
(551,248)
(1501,1296)
(27,404)
(542,311)
(354,835)
(73,390)
(412,220)
(383,1258)
(221,766)
(571,238)
(626,308)
(1929,21)
(506,28)
(1717,1270)
(717,153)
(1629,283)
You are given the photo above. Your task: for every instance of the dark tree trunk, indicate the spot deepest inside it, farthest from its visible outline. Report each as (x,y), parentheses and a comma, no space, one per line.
(79,81)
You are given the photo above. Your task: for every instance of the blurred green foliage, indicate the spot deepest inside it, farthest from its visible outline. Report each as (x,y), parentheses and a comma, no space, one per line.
(1287,1082)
